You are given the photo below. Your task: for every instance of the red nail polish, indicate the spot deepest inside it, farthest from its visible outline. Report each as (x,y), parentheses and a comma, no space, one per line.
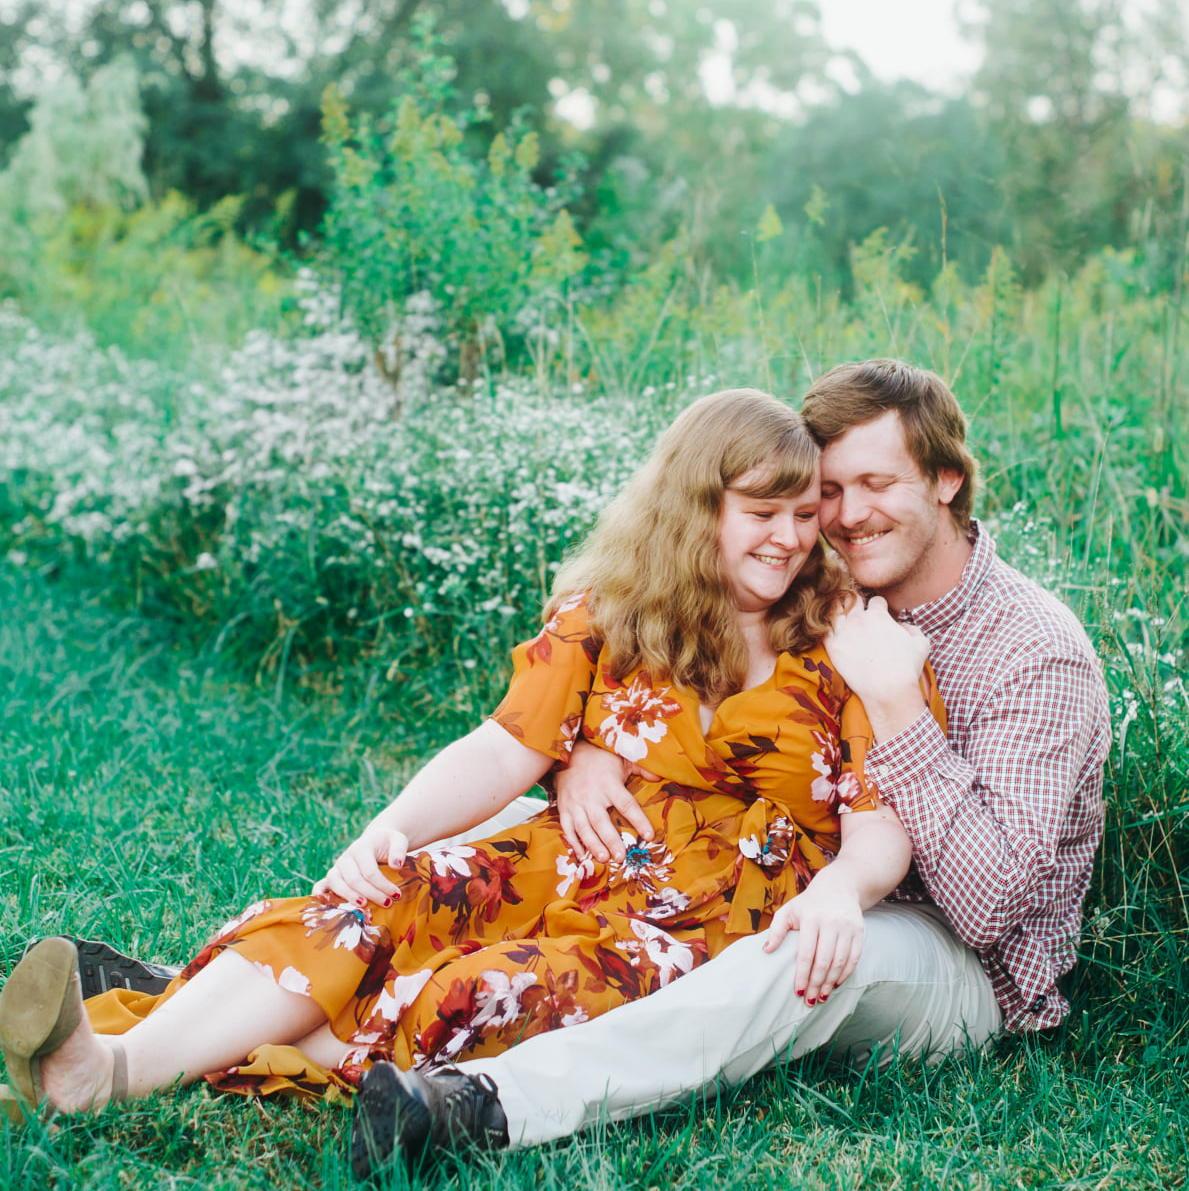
(800,992)
(360,901)
(825,997)
(810,1001)
(388,901)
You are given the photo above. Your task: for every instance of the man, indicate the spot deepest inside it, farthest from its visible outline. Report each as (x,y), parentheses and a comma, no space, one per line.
(1004,810)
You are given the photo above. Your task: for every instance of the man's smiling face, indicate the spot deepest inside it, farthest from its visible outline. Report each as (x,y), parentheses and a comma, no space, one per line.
(883,516)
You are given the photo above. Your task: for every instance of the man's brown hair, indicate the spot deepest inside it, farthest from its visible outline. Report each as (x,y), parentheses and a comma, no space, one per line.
(934,426)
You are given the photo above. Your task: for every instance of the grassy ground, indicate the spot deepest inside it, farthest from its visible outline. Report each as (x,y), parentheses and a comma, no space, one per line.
(146,792)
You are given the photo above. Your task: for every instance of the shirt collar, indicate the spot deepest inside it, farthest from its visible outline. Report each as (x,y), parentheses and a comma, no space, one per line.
(938,613)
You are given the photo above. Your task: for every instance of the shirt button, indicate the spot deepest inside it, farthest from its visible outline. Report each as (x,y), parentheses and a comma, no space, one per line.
(1038,1004)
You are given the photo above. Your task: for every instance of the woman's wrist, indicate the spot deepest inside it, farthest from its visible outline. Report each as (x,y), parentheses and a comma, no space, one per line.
(389,819)
(843,877)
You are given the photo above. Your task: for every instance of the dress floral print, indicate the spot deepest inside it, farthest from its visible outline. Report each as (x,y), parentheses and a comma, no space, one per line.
(499,940)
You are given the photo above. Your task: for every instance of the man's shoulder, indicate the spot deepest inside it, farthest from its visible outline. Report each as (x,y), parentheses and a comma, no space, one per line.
(1024,622)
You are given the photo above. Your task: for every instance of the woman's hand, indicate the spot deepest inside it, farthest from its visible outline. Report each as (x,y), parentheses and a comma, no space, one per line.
(829,917)
(355,876)
(587,789)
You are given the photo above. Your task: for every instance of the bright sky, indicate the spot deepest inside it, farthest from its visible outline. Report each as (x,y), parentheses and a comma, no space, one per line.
(914,39)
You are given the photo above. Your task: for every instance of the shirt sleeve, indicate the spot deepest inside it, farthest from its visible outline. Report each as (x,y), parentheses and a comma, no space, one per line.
(858,740)
(984,826)
(551,682)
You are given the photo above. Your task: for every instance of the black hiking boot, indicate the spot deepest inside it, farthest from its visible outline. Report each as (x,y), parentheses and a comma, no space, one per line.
(405,1114)
(101,967)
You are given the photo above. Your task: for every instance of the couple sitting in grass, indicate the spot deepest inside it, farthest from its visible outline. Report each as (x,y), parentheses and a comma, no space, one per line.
(750,752)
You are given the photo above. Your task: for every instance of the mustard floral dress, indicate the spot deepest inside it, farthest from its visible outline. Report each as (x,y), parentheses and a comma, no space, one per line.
(496,941)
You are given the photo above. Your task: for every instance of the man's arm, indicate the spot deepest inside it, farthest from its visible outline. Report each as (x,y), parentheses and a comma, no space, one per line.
(588,789)
(985,826)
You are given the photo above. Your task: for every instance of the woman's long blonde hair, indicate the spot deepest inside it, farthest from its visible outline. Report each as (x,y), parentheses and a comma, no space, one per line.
(650,567)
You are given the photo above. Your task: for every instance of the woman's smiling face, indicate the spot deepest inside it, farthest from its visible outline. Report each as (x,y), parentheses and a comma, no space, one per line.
(764,541)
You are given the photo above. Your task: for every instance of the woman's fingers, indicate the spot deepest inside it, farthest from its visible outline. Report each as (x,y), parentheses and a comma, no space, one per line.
(333,883)
(824,947)
(398,849)
(806,946)
(838,970)
(360,888)
(852,962)
(779,927)
(363,853)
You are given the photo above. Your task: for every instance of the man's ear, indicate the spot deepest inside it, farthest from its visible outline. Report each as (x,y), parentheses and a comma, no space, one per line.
(949,484)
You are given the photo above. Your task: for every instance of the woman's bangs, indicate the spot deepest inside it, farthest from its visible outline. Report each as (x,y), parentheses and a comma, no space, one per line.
(783,473)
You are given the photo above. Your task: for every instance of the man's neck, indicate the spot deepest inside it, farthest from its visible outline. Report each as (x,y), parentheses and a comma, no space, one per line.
(942,572)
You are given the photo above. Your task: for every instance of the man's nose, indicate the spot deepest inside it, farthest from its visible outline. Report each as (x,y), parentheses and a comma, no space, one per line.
(853,509)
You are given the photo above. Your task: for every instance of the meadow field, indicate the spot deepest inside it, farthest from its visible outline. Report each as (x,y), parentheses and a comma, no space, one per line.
(272,516)
(241,604)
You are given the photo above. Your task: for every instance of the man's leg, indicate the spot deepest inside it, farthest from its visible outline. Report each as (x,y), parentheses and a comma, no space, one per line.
(731,1018)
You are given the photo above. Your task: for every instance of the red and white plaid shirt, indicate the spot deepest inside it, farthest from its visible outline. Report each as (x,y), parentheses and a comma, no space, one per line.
(1004,810)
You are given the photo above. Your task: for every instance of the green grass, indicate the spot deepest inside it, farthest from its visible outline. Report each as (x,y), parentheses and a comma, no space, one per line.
(147,791)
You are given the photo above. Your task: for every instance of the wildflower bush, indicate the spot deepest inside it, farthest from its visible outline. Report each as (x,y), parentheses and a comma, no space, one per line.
(288,508)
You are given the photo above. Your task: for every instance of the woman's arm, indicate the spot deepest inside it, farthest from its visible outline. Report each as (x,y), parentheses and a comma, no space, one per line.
(872,861)
(467,782)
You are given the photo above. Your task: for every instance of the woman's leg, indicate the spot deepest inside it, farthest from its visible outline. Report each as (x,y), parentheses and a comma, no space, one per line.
(325,1048)
(212,1022)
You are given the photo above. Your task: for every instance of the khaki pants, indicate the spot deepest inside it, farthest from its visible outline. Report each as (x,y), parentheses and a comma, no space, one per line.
(916,986)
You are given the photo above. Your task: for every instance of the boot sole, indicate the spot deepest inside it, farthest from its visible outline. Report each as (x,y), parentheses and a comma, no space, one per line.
(101,967)
(38,1011)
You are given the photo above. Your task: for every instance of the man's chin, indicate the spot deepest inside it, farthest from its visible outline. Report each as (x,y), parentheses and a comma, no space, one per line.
(875,575)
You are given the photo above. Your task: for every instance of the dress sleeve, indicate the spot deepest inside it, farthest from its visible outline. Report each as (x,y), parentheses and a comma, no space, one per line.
(551,680)
(858,739)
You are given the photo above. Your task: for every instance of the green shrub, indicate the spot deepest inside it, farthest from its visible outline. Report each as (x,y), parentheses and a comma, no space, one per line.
(420,225)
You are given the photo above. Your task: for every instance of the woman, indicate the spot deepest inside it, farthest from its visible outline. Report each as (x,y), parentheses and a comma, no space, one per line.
(685,637)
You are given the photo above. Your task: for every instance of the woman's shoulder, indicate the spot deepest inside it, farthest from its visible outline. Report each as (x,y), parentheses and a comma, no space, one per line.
(568,626)
(569,613)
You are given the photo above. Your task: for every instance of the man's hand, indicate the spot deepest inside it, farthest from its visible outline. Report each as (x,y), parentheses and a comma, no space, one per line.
(590,787)
(829,917)
(881,661)
(356,877)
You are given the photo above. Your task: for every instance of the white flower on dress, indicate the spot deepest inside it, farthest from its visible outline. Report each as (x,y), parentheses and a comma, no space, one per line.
(499,999)
(347,923)
(404,991)
(643,864)
(576,1018)
(294,981)
(567,605)
(773,851)
(667,902)
(571,869)
(452,860)
(253,911)
(671,958)
(637,718)
(832,785)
